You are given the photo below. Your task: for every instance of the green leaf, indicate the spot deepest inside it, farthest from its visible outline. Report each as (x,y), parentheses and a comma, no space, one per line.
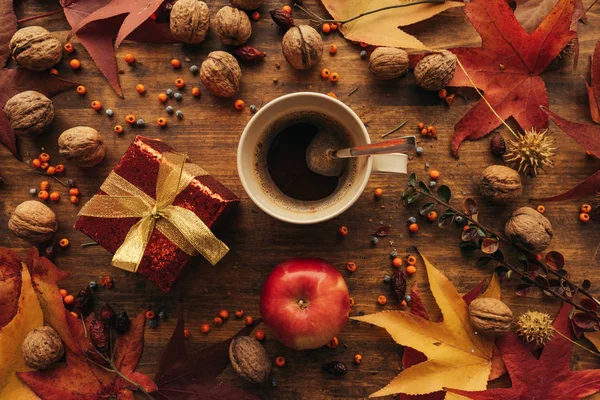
(470,206)
(412,180)
(469,235)
(426,208)
(467,248)
(489,246)
(407,192)
(412,198)
(446,219)
(424,187)
(481,232)
(483,261)
(444,193)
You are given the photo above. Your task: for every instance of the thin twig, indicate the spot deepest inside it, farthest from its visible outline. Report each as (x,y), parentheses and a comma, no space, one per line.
(394,129)
(577,344)
(113,368)
(353,90)
(88,244)
(40,16)
(50,176)
(590,7)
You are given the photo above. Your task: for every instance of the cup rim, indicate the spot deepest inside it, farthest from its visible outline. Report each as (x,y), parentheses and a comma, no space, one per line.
(347,204)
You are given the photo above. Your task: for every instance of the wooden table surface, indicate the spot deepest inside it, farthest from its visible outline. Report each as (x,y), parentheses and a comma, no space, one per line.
(209,133)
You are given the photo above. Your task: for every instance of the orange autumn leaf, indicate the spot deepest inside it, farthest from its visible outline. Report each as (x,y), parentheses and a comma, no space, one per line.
(457,357)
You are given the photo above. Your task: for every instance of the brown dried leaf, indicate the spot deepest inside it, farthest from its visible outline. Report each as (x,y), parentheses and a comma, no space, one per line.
(8,27)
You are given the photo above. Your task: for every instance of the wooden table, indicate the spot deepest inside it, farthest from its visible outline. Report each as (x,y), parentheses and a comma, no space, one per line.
(210,132)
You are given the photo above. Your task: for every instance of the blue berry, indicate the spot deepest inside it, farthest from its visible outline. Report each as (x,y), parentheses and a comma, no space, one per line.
(387,279)
(178,96)
(253,108)
(109,112)
(407,298)
(432,183)
(412,220)
(169,92)
(363,54)
(153,323)
(374,240)
(140,122)
(162,315)
(393,254)
(273,382)
(194,69)
(32,191)
(426,165)
(179,114)
(70,183)
(93,285)
(169,109)
(419,151)
(459,220)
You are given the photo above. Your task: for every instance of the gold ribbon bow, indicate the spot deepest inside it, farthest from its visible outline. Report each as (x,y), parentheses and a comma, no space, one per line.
(178,224)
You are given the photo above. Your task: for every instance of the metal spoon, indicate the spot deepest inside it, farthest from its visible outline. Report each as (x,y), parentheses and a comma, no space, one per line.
(323,158)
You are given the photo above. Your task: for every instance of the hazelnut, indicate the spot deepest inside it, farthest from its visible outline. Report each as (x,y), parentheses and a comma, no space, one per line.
(189,21)
(249,359)
(489,315)
(247,4)
(388,63)
(435,70)
(529,230)
(302,46)
(42,347)
(232,26)
(29,113)
(221,74)
(35,48)
(500,184)
(33,221)
(82,145)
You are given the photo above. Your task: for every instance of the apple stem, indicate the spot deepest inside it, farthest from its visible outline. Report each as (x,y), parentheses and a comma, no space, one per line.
(302,304)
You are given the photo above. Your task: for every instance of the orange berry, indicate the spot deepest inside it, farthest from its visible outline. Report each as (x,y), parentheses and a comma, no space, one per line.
(255,15)
(130,119)
(44,157)
(64,242)
(357,359)
(584,217)
(118,129)
(196,92)
(175,63)
(74,199)
(53,71)
(351,266)
(59,168)
(43,195)
(432,216)
(342,231)
(430,128)
(150,314)
(179,82)
(260,335)
(205,328)
(287,9)
(218,321)
(81,90)
(333,343)
(96,105)
(541,209)
(424,132)
(35,163)
(69,47)
(63,292)
(44,185)
(74,192)
(382,300)
(280,361)
(411,269)
(68,299)
(44,166)
(162,97)
(420,125)
(74,314)
(434,174)
(334,77)
(248,320)
(51,170)
(161,121)
(397,262)
(129,58)
(442,94)
(403,304)
(413,228)
(331,94)
(364,44)
(75,64)
(539,257)
(450,99)
(378,192)
(466,228)
(586,208)
(186,333)
(239,313)
(325,73)
(334,26)
(411,260)
(332,49)
(224,314)
(140,88)
(239,104)
(54,196)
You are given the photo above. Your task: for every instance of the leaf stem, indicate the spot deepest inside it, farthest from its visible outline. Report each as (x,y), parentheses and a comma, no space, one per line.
(113,368)
(40,16)
(577,344)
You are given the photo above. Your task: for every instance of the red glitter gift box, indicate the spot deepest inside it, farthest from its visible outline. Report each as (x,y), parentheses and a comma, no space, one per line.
(162,260)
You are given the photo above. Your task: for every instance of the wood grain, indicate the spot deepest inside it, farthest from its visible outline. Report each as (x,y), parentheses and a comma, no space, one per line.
(209,133)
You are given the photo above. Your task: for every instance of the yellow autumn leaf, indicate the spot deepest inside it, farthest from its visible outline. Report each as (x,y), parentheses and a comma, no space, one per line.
(593,337)
(29,316)
(457,357)
(383,28)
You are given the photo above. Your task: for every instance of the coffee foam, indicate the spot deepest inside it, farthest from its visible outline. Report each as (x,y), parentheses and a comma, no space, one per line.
(271,190)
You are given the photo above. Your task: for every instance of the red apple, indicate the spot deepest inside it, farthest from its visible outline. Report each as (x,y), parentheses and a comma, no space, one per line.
(305,302)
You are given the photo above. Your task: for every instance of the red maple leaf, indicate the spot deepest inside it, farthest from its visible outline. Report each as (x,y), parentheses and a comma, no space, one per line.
(8,27)
(549,377)
(508,65)
(593,89)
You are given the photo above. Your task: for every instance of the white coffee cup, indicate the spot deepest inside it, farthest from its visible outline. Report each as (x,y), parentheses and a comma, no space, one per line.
(306,102)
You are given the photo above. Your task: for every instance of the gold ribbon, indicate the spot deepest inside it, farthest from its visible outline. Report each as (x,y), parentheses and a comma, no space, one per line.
(178,224)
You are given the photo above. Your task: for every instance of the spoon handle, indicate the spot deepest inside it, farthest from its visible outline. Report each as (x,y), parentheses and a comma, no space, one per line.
(402,144)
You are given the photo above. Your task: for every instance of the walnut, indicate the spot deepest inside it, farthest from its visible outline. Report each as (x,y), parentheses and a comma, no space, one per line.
(302,46)
(29,113)
(42,347)
(82,145)
(388,63)
(500,184)
(247,4)
(189,21)
(435,70)
(249,359)
(232,26)
(35,48)
(221,74)
(529,230)
(489,315)
(33,221)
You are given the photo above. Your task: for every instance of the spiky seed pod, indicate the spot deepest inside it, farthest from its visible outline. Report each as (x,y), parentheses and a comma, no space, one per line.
(530,152)
(535,327)
(569,50)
